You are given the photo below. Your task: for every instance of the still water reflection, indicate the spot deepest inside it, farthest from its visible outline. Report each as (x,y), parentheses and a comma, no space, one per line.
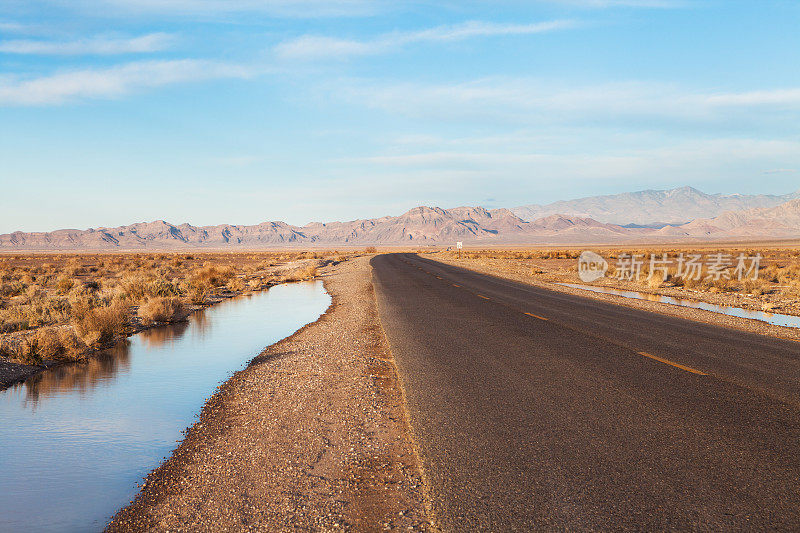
(789,321)
(75,440)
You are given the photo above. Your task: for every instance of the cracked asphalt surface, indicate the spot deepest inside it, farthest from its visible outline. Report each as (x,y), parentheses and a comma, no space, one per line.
(533,409)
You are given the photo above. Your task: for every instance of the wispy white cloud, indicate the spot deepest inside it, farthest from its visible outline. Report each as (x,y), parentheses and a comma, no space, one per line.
(288,8)
(666,4)
(526,99)
(696,159)
(778,97)
(236,160)
(152,42)
(315,46)
(112,82)
(12,27)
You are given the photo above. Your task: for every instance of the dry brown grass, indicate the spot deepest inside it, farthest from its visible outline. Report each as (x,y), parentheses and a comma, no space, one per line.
(236,285)
(301,274)
(162,310)
(91,296)
(99,325)
(45,343)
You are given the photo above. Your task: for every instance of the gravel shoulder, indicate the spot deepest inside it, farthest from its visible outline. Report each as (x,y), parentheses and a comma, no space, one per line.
(12,372)
(312,435)
(502,270)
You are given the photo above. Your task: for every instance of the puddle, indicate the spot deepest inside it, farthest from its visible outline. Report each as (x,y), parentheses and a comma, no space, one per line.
(789,321)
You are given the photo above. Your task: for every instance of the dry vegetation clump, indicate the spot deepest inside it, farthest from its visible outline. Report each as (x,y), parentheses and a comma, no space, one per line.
(301,274)
(211,276)
(44,344)
(162,310)
(236,285)
(58,306)
(99,325)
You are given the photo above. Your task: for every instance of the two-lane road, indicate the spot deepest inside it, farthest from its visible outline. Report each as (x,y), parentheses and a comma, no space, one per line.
(535,409)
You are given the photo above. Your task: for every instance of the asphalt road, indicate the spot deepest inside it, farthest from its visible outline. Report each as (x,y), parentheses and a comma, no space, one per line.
(539,410)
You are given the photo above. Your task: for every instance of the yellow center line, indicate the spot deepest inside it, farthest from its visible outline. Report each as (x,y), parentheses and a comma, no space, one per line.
(482,296)
(672,363)
(537,316)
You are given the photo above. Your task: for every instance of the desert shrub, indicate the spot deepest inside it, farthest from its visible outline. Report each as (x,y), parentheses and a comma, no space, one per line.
(161,310)
(302,273)
(137,288)
(370,250)
(7,349)
(35,292)
(197,295)
(12,288)
(692,282)
(54,343)
(163,288)
(12,320)
(75,270)
(792,289)
(236,285)
(756,287)
(770,273)
(134,287)
(34,312)
(27,351)
(64,284)
(98,325)
(211,276)
(719,285)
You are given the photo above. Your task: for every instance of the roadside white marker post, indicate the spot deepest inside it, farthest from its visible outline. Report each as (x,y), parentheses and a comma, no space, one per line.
(459,245)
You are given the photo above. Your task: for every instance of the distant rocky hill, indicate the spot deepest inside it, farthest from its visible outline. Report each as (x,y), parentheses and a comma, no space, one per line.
(653,208)
(419,226)
(778,222)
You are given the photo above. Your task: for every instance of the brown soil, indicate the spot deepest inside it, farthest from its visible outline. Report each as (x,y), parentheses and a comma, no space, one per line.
(312,435)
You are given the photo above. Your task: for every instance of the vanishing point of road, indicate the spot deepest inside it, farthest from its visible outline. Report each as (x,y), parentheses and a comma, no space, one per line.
(540,410)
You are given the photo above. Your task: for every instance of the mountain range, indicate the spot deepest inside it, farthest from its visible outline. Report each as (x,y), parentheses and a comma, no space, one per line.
(653,208)
(419,226)
(437,226)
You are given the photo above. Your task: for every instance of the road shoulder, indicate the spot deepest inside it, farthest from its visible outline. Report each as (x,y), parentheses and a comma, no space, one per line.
(312,435)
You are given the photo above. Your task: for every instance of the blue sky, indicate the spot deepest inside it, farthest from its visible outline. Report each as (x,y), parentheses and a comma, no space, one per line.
(240,111)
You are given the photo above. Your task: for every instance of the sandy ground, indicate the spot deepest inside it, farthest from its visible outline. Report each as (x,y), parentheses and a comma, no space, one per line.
(312,435)
(514,271)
